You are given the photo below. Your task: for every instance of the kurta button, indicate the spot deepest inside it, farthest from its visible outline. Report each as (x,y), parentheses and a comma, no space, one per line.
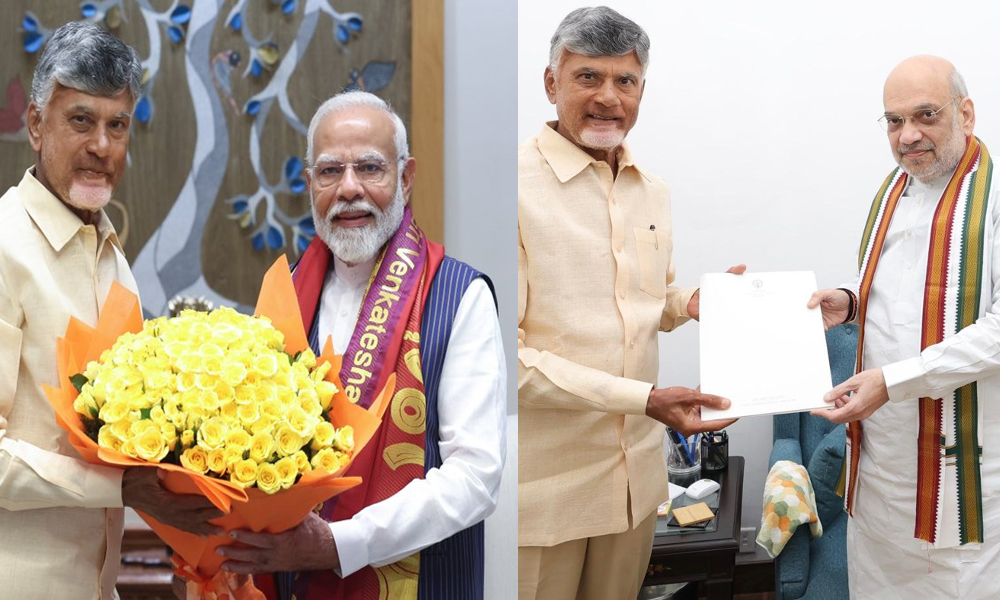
(631,344)
(621,295)
(618,249)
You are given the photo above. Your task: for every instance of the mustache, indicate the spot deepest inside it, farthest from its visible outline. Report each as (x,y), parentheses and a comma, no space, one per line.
(919,146)
(357,205)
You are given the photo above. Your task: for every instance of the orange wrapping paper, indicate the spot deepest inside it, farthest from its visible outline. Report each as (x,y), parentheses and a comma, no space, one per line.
(246,509)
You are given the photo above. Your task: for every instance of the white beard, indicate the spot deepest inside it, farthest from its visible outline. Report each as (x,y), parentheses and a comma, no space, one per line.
(601,140)
(359,244)
(88,197)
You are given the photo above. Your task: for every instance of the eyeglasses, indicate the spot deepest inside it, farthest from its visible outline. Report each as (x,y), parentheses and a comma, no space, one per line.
(892,122)
(331,173)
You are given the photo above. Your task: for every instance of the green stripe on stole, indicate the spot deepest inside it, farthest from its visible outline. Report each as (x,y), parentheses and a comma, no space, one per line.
(966,409)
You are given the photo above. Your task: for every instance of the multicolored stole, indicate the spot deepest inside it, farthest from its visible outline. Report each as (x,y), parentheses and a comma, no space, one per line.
(386,340)
(949,509)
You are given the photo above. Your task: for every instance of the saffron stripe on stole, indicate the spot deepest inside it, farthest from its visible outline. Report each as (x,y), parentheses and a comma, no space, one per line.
(867,277)
(929,447)
(966,398)
(872,217)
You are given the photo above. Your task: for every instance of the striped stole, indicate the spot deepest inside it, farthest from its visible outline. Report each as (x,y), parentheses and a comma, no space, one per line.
(949,490)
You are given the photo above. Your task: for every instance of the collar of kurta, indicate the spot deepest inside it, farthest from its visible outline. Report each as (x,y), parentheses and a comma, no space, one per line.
(568,160)
(53,218)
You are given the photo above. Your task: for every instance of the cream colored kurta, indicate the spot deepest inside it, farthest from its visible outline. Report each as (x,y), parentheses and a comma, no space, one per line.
(885,561)
(594,274)
(60,518)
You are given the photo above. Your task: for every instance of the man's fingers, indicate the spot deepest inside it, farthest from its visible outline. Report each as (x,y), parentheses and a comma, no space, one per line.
(737,270)
(716,425)
(841,390)
(716,402)
(258,540)
(815,299)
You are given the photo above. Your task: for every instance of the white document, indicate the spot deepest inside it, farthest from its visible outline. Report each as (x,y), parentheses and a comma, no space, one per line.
(760,346)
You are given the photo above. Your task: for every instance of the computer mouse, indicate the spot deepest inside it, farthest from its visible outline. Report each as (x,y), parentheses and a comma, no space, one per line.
(702,488)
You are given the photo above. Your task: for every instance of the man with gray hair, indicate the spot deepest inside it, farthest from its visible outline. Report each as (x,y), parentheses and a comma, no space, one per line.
(393,303)
(61,518)
(923,430)
(594,275)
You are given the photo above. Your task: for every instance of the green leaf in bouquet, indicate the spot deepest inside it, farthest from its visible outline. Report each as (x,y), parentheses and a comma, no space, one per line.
(93,411)
(144,413)
(79,380)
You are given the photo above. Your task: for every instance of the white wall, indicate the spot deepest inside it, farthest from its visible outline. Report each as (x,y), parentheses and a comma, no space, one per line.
(762,118)
(480,218)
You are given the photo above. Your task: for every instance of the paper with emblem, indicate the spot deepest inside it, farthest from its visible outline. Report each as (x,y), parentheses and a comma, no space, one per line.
(760,346)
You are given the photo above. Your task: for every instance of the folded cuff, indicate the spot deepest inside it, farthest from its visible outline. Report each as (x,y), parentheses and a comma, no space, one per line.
(351,546)
(902,379)
(629,397)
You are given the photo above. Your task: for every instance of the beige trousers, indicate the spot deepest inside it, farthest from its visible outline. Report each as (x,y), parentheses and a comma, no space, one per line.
(608,567)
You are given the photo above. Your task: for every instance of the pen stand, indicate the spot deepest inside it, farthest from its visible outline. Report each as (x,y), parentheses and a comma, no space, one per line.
(683,458)
(714,452)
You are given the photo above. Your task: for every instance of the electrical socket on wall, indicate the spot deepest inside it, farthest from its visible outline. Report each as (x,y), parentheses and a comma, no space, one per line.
(748,535)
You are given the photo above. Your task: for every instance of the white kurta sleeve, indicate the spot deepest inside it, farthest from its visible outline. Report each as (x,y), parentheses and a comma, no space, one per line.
(31,477)
(472,426)
(972,353)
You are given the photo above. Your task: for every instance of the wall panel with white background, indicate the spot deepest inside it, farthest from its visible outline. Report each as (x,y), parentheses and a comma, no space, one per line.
(762,119)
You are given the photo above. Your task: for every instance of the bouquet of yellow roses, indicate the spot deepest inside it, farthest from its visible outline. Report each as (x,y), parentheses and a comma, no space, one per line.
(232,407)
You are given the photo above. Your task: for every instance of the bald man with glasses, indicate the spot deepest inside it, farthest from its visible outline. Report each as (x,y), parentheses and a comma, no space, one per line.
(922,467)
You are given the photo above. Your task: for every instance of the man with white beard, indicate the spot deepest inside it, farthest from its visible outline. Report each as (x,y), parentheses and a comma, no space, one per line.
(393,303)
(923,474)
(61,518)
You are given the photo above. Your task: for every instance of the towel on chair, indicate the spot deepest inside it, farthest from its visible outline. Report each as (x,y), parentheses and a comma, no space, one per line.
(789,501)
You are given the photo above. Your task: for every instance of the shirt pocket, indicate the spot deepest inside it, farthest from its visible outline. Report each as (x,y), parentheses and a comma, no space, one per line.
(653,256)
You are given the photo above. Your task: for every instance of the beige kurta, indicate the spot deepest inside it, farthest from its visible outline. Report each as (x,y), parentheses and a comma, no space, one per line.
(60,518)
(594,275)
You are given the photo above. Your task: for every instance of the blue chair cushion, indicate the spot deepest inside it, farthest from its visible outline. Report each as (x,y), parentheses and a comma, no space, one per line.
(824,471)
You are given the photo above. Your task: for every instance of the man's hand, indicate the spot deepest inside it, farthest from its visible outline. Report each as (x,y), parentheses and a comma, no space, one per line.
(693,307)
(307,547)
(142,490)
(680,409)
(869,395)
(833,303)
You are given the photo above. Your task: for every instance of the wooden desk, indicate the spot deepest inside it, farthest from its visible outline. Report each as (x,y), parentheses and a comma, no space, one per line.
(708,557)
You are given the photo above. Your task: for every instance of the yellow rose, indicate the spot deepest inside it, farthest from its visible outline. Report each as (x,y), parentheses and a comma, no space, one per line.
(150,445)
(114,410)
(345,439)
(195,459)
(237,437)
(233,455)
(265,365)
(233,373)
(273,409)
(327,460)
(244,473)
(248,413)
(85,405)
(300,422)
(245,395)
(217,461)
(106,438)
(323,435)
(187,438)
(189,362)
(262,425)
(261,447)
(128,449)
(210,350)
(157,379)
(212,433)
(169,433)
(325,391)
(268,479)
(157,414)
(204,381)
(319,373)
(310,406)
(208,400)
(185,382)
(288,470)
(229,413)
(120,429)
(224,391)
(307,359)
(301,461)
(289,442)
